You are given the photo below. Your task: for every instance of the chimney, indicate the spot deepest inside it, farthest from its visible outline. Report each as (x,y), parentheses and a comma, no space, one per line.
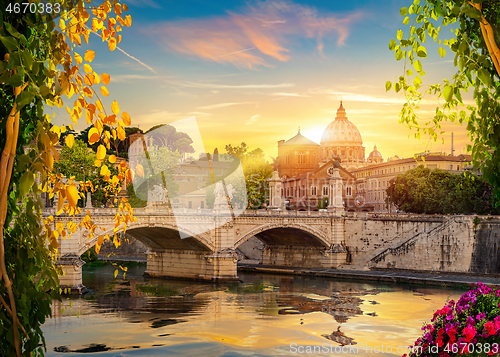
(452,150)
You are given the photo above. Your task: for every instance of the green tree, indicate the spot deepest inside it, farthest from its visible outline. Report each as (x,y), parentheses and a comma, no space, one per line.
(38,66)
(475,41)
(422,190)
(256,170)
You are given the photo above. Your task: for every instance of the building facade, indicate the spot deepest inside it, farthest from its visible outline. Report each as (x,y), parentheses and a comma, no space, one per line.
(302,165)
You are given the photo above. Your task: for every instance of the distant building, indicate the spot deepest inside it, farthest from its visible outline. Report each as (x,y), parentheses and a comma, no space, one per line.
(302,165)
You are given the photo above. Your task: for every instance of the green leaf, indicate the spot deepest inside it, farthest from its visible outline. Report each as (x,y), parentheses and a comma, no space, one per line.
(9,42)
(421,52)
(12,30)
(15,80)
(25,183)
(448,93)
(403,11)
(392,44)
(399,35)
(27,59)
(458,95)
(406,20)
(442,52)
(409,72)
(484,76)
(397,87)
(25,98)
(418,66)
(388,86)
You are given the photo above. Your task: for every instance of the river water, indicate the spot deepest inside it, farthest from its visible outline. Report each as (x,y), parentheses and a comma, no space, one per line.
(263,315)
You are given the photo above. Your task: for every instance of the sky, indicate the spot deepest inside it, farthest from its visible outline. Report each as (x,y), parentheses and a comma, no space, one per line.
(256,71)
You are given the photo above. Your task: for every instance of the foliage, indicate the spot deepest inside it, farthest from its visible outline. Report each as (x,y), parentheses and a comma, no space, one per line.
(475,40)
(89,256)
(165,135)
(256,170)
(134,201)
(38,66)
(422,190)
(470,327)
(78,161)
(159,169)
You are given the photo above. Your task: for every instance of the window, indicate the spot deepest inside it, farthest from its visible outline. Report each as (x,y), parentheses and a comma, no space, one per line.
(325,190)
(302,158)
(458,167)
(349,191)
(202,204)
(314,159)
(314,191)
(287,158)
(190,204)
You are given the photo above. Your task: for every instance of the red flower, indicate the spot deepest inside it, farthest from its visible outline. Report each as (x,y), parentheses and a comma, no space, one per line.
(490,327)
(469,332)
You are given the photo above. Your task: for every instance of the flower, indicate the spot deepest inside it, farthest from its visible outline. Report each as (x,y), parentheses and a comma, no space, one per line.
(469,333)
(490,327)
(481,316)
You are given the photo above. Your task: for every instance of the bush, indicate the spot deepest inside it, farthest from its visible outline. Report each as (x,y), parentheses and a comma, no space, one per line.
(469,327)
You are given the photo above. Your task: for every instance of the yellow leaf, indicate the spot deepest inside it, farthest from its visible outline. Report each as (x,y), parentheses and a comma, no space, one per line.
(93,136)
(89,55)
(98,104)
(115,107)
(96,78)
(97,163)
(112,159)
(101,152)
(78,58)
(105,78)
(140,170)
(87,68)
(120,131)
(126,119)
(112,43)
(104,91)
(116,272)
(125,7)
(118,9)
(100,240)
(128,20)
(72,195)
(70,139)
(97,248)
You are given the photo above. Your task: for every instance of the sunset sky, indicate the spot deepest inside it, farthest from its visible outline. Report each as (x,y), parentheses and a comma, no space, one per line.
(255,71)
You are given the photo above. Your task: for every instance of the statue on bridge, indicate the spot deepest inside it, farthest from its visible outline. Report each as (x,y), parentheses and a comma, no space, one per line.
(219,193)
(159,194)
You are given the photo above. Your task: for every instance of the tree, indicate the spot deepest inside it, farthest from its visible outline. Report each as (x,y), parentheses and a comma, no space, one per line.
(475,42)
(422,190)
(256,170)
(39,66)
(79,161)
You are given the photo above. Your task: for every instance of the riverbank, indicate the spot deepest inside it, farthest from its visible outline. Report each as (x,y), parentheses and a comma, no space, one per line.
(443,280)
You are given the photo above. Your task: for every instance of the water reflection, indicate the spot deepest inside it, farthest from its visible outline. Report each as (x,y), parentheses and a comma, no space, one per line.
(263,315)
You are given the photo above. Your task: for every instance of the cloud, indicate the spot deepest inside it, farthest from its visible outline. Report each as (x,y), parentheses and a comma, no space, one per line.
(144,3)
(253,35)
(253,119)
(127,78)
(284,94)
(229,86)
(221,105)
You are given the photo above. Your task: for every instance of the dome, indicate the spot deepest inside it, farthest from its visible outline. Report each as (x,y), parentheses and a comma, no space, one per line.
(341,130)
(375,153)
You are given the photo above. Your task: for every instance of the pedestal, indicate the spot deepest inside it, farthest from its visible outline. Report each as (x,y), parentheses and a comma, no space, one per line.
(71,265)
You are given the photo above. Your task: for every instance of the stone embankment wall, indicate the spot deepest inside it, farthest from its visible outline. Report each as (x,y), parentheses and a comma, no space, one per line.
(452,244)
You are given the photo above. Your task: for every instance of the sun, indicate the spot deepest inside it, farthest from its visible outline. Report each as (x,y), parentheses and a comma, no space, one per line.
(314,133)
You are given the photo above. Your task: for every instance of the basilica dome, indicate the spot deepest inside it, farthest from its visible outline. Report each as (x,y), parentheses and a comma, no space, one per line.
(375,152)
(341,130)
(342,138)
(375,156)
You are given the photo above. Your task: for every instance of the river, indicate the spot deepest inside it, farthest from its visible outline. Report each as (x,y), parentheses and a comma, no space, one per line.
(263,315)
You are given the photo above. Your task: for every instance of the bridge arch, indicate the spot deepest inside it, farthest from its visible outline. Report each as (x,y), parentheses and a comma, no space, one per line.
(289,234)
(159,236)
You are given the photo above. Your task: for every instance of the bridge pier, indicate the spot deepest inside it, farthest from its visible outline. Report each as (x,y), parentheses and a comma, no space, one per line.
(71,265)
(191,264)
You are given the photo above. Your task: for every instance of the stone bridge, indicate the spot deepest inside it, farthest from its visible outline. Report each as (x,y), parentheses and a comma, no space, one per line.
(200,244)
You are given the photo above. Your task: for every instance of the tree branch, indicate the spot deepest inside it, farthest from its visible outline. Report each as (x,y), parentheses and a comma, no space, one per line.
(489,38)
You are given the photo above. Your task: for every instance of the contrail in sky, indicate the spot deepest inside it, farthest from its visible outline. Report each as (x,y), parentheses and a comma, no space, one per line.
(232,53)
(126,54)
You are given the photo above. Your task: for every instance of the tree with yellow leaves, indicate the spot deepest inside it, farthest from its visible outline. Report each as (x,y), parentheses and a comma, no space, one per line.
(39,65)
